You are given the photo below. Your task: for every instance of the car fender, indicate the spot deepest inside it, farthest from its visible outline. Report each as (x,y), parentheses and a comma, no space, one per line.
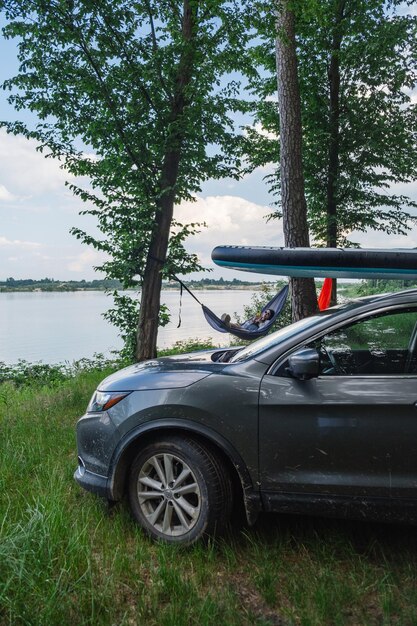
(125,450)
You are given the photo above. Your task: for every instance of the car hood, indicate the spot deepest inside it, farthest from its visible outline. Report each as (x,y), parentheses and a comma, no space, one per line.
(163,373)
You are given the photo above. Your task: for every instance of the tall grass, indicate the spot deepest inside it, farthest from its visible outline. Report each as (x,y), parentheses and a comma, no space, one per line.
(65,558)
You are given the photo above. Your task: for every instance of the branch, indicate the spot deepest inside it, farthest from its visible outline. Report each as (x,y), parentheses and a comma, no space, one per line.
(69,22)
(129,60)
(156,49)
(110,102)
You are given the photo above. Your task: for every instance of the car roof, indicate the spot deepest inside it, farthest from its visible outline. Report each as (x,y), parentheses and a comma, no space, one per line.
(412,293)
(394,297)
(390,294)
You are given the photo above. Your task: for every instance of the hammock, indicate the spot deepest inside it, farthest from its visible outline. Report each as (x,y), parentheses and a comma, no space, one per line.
(276,305)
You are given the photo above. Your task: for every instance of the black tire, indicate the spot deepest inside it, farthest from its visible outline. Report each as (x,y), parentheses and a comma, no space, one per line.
(179,512)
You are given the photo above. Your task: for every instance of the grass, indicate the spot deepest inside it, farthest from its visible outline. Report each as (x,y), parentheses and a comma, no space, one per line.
(66,559)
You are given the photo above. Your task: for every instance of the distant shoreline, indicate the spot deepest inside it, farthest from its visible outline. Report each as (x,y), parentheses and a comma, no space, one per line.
(50,285)
(251,287)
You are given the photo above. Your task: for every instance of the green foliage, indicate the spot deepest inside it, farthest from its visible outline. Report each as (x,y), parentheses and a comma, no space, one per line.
(221,282)
(381,285)
(39,374)
(190,345)
(125,316)
(132,102)
(373,124)
(49,284)
(26,374)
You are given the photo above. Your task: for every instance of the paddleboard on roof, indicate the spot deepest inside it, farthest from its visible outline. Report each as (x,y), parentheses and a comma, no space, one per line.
(398,264)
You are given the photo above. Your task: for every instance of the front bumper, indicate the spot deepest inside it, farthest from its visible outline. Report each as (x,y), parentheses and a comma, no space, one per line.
(95,443)
(91,482)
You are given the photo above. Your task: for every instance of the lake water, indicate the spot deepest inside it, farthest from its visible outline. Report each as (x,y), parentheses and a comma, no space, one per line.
(58,327)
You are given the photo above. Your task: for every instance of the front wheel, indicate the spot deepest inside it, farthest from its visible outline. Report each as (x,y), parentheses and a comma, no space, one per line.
(179,490)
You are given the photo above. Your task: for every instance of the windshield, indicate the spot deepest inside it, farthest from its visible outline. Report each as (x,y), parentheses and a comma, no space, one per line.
(288,331)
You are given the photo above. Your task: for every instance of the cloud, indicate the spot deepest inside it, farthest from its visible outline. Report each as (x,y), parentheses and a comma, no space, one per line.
(230,220)
(5,194)
(25,259)
(17,243)
(28,172)
(373,239)
(85,261)
(231,217)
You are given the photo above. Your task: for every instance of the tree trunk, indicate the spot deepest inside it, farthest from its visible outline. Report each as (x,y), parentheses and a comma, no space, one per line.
(152,279)
(150,303)
(334,135)
(294,208)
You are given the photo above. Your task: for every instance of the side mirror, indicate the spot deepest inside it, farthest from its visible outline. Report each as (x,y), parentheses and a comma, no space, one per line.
(304,364)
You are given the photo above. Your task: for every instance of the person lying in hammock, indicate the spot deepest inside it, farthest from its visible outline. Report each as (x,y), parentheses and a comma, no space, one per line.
(256,323)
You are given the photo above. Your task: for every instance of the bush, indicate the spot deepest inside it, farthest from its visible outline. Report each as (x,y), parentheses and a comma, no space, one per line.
(188,345)
(39,374)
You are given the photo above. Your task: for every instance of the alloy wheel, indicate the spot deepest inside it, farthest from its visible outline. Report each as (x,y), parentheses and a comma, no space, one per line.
(168,494)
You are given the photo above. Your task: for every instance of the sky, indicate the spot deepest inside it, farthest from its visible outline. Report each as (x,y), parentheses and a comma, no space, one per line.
(37,212)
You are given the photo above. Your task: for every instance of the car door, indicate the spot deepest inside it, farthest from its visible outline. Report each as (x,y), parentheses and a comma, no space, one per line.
(352,430)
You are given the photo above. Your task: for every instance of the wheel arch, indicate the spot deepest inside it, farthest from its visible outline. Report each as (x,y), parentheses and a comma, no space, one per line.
(148,432)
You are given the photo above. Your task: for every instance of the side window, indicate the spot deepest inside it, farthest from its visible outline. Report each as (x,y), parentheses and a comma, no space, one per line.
(381,344)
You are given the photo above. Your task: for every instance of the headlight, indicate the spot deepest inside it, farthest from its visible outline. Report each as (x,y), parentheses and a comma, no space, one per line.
(103,400)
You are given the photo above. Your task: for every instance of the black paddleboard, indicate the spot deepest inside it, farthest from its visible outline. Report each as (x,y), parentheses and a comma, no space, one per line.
(320,262)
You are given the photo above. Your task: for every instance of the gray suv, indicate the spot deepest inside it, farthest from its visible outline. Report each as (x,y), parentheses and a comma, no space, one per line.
(319,417)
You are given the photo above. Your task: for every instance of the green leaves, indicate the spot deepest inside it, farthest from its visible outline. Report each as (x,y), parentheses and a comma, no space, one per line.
(372,119)
(125,94)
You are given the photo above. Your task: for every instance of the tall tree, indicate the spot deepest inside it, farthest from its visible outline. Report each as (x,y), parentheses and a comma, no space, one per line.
(361,57)
(143,87)
(357,69)
(294,208)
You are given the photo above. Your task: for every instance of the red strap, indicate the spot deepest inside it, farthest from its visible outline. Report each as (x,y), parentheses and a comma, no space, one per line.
(325,294)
